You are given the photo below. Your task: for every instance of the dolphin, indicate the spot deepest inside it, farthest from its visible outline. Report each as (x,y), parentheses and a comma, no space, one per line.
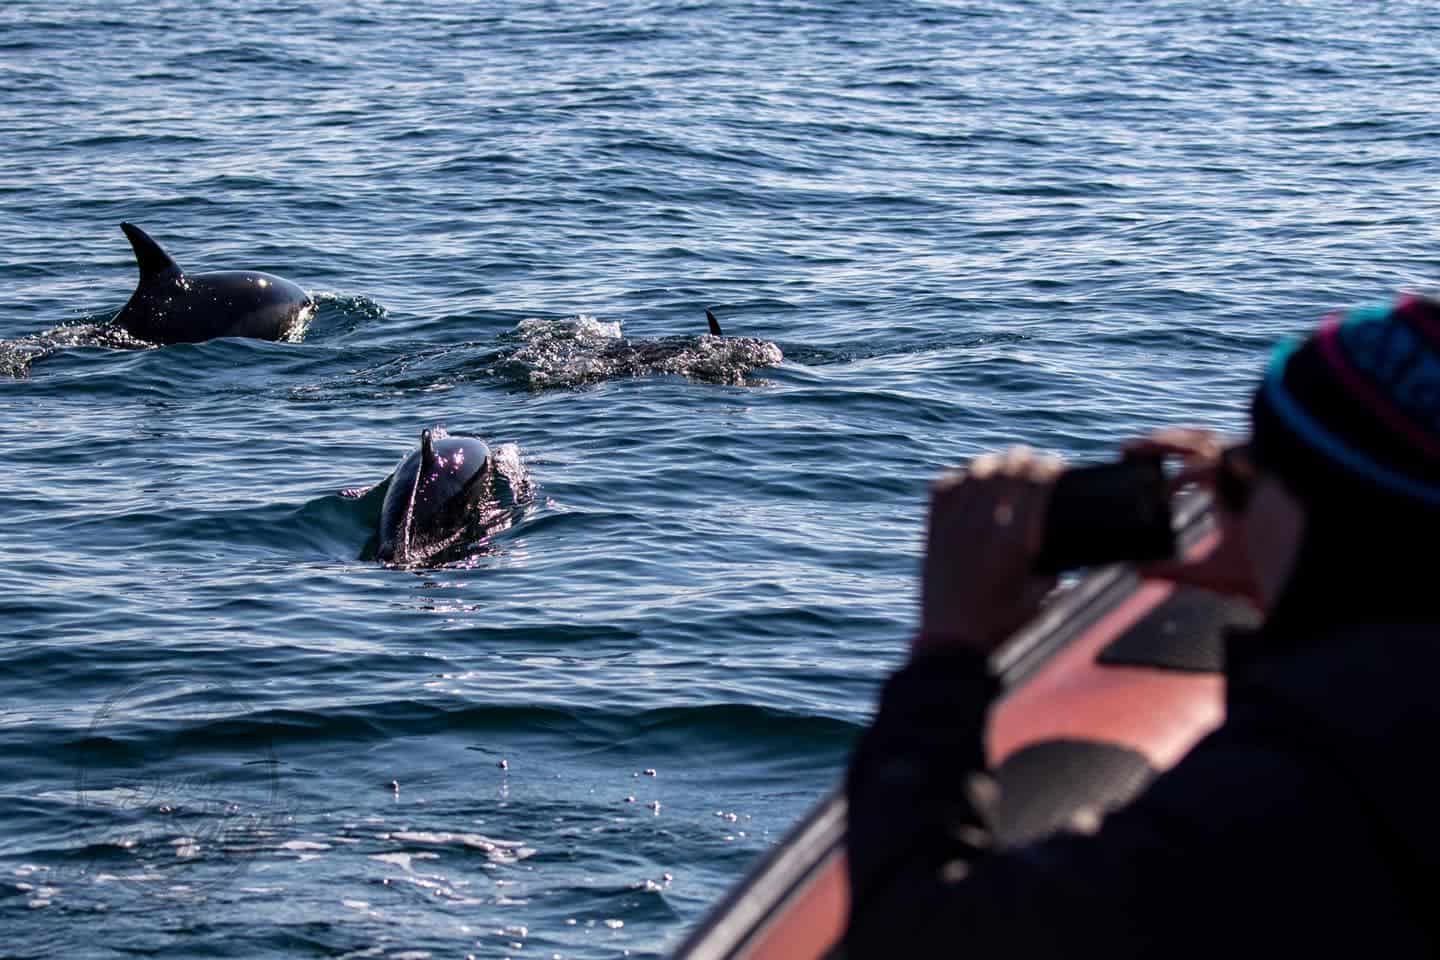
(440,497)
(171,306)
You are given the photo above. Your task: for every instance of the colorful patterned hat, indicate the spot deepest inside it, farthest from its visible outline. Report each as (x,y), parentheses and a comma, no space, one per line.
(1354,409)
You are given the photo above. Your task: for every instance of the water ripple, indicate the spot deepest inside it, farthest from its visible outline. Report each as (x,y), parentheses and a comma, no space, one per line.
(927,230)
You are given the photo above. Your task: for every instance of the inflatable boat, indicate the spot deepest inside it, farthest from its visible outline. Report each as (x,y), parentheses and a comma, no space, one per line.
(1112,683)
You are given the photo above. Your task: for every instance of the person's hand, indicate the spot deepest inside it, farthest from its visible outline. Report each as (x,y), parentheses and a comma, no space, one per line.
(986,525)
(1226,567)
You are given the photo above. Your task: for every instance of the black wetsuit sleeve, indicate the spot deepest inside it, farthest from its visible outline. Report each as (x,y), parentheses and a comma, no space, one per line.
(1236,846)
(911,793)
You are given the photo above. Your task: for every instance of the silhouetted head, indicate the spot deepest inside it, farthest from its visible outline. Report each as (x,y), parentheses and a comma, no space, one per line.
(1345,467)
(433,497)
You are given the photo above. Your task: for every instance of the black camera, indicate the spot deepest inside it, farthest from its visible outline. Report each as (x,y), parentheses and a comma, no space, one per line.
(1108,513)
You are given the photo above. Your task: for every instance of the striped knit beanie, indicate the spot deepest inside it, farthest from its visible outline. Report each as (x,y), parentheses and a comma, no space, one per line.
(1354,409)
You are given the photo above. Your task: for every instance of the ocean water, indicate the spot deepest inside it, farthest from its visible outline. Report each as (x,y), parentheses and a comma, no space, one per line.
(928,228)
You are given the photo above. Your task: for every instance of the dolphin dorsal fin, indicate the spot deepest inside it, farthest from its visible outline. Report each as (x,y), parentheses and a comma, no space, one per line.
(427,451)
(154,262)
(714,324)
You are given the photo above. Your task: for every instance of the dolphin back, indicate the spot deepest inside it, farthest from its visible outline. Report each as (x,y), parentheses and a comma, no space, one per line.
(170,306)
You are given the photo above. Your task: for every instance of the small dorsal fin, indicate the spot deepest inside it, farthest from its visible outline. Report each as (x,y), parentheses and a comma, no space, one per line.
(154,262)
(714,324)
(427,450)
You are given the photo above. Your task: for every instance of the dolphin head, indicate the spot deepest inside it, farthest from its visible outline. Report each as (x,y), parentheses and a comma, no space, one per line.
(433,497)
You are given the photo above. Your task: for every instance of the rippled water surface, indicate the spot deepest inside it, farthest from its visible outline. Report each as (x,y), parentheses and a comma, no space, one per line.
(926,228)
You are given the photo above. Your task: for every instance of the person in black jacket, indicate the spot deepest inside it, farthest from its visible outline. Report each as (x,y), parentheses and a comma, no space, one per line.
(1305,825)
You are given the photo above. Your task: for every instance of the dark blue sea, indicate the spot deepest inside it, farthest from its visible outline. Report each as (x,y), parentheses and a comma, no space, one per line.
(928,229)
